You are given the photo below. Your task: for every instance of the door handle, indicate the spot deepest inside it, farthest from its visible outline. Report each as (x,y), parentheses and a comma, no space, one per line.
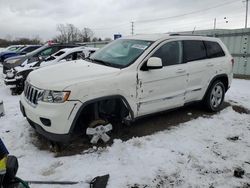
(210,65)
(179,71)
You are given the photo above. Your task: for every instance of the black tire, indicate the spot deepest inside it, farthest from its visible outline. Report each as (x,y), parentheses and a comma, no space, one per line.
(215,96)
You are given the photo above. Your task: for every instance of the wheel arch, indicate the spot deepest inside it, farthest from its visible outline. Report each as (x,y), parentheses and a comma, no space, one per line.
(223,78)
(99,99)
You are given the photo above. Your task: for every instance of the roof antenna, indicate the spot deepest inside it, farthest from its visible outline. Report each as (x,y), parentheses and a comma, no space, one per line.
(193,30)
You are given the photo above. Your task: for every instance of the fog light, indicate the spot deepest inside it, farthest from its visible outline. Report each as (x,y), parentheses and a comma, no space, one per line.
(45,121)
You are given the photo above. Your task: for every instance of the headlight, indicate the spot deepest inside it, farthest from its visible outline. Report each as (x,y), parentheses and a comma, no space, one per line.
(10,74)
(54,96)
(11,61)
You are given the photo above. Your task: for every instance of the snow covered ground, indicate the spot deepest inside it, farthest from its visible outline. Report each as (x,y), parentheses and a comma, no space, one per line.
(198,153)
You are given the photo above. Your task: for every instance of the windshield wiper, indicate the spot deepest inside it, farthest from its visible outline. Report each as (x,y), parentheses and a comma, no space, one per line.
(101,62)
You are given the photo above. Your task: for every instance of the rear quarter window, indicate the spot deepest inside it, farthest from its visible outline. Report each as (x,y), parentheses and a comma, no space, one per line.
(213,49)
(193,50)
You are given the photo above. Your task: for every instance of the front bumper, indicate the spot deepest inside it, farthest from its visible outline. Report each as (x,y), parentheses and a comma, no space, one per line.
(8,66)
(60,115)
(63,138)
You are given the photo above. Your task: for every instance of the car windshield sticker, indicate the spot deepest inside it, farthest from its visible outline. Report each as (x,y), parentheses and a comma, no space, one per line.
(139,46)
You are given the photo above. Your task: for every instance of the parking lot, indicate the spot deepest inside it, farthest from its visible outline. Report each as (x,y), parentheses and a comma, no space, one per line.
(187,147)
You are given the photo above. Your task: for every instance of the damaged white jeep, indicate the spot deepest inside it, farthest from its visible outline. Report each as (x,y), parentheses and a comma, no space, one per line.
(127,79)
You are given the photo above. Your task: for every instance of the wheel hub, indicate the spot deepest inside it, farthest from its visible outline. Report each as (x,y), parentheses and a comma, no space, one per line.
(216,96)
(99,132)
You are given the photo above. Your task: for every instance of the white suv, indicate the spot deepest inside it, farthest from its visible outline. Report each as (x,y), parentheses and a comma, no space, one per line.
(127,79)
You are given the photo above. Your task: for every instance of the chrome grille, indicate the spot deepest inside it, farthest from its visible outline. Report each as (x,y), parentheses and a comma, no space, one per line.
(32,93)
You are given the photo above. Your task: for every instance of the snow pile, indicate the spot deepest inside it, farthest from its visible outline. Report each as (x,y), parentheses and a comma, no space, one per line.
(198,153)
(239,93)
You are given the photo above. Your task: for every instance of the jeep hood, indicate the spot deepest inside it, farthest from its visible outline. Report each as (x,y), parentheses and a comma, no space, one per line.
(60,76)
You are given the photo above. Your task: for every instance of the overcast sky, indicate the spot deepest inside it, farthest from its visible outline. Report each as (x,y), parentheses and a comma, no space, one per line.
(30,18)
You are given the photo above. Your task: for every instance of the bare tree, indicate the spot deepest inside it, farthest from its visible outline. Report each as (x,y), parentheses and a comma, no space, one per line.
(86,35)
(5,42)
(95,39)
(68,33)
(62,37)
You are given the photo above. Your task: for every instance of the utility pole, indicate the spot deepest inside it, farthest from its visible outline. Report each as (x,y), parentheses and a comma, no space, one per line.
(246,13)
(132,28)
(214,23)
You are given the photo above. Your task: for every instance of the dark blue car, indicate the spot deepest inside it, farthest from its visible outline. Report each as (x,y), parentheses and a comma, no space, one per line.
(26,49)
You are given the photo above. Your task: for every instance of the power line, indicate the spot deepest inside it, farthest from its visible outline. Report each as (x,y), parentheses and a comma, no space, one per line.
(189,13)
(164,18)
(204,24)
(182,23)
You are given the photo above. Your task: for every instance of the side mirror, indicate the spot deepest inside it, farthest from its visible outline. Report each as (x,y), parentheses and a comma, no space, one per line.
(153,63)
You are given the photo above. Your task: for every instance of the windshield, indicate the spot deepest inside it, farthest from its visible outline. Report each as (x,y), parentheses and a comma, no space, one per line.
(121,53)
(12,48)
(37,50)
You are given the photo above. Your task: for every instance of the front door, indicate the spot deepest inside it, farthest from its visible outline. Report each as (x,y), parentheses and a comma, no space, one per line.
(162,89)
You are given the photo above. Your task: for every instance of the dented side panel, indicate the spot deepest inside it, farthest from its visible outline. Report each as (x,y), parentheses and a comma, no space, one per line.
(161,89)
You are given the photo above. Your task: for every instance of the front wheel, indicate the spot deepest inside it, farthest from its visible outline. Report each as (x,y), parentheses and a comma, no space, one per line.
(99,130)
(215,96)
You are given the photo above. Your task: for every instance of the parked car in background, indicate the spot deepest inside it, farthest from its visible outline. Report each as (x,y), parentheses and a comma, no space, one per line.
(21,51)
(68,54)
(128,79)
(37,55)
(17,75)
(12,48)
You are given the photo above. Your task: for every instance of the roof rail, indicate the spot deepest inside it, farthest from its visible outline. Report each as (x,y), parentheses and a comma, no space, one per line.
(186,34)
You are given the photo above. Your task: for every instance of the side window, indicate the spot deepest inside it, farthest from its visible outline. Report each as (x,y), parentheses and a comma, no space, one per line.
(59,53)
(193,50)
(80,55)
(213,49)
(68,57)
(30,49)
(46,52)
(55,49)
(73,56)
(170,53)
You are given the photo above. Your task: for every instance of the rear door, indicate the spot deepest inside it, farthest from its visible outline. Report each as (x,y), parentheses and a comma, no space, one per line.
(216,58)
(164,88)
(198,67)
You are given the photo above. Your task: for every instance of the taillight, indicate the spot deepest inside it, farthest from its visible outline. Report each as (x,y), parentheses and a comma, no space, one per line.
(232,61)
